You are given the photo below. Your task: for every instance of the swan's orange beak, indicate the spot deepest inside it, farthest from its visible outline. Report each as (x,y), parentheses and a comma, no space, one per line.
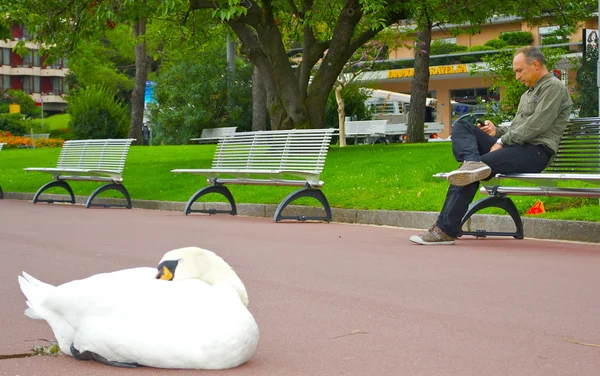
(164,273)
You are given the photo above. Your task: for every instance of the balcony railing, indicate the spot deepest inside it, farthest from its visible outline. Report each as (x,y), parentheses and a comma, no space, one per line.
(465,57)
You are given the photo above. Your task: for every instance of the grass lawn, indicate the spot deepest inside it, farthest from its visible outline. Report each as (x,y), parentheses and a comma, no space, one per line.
(379,177)
(54,122)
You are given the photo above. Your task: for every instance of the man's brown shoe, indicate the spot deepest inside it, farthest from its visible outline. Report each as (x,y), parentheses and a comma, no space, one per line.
(468,173)
(433,236)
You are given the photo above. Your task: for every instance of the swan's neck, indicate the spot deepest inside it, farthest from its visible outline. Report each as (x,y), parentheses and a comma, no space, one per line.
(230,278)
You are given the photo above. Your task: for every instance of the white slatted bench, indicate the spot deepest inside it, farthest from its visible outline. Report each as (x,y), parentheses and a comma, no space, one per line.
(1,192)
(577,159)
(278,158)
(213,135)
(88,160)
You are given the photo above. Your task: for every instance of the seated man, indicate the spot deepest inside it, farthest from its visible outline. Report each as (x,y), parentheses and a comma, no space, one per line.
(527,145)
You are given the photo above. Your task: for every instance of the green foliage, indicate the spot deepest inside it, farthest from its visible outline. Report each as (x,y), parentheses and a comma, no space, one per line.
(354,104)
(440,47)
(466,59)
(192,94)
(13,124)
(104,62)
(495,44)
(28,107)
(96,114)
(501,75)
(561,35)
(517,38)
(61,133)
(586,91)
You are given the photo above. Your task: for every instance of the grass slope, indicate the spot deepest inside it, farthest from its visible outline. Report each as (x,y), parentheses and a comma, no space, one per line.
(59,121)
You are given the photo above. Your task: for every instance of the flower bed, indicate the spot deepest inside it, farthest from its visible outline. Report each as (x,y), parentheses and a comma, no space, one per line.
(16,142)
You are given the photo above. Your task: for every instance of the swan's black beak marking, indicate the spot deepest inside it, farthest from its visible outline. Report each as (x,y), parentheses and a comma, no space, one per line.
(166,270)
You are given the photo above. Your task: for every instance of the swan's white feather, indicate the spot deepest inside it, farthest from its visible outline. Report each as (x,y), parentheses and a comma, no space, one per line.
(130,317)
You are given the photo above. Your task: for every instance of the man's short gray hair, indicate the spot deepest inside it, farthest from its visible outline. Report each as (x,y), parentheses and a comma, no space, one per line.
(531,54)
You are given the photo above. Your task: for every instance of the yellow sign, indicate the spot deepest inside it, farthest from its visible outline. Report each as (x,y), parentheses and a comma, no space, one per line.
(441,69)
(14,108)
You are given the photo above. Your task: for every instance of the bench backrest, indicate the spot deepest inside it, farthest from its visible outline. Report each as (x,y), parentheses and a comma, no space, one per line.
(288,150)
(106,155)
(217,132)
(579,149)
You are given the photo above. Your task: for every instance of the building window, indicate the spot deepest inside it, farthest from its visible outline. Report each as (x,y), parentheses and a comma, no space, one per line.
(6,56)
(4,82)
(36,58)
(58,64)
(26,35)
(57,85)
(27,84)
(553,35)
(447,40)
(36,84)
(27,59)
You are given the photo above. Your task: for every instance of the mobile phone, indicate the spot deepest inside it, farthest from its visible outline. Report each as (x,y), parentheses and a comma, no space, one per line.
(480,123)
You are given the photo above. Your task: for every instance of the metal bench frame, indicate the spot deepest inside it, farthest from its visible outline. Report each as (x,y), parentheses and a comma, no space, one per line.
(578,158)
(268,158)
(88,160)
(1,192)
(213,135)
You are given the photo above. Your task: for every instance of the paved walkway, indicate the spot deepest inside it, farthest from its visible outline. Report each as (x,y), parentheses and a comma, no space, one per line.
(330,299)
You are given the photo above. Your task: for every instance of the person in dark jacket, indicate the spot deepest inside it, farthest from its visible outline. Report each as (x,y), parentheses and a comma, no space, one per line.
(527,145)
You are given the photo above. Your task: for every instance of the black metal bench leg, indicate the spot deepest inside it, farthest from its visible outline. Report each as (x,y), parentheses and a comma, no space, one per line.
(304,192)
(220,189)
(1,194)
(55,183)
(106,187)
(501,202)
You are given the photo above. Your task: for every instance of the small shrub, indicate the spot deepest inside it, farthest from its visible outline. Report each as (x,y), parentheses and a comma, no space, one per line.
(62,133)
(465,59)
(443,48)
(13,124)
(495,44)
(26,103)
(517,38)
(96,114)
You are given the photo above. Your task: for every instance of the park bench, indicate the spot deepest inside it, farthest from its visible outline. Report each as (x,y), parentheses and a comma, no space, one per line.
(213,135)
(577,159)
(88,160)
(1,192)
(369,131)
(279,158)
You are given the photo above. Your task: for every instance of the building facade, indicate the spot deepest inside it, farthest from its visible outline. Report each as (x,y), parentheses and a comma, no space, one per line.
(30,73)
(458,91)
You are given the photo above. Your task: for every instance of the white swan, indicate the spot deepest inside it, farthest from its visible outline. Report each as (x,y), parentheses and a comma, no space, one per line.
(194,316)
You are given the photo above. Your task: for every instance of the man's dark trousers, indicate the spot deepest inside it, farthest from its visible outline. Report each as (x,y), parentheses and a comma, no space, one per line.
(469,143)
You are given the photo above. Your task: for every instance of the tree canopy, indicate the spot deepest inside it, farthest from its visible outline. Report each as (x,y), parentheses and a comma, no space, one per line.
(327,32)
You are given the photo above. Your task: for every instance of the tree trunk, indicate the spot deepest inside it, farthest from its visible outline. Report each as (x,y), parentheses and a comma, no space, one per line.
(341,114)
(291,101)
(419,87)
(259,103)
(139,89)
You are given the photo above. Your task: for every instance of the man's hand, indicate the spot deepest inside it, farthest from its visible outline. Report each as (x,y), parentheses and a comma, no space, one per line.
(495,147)
(489,128)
